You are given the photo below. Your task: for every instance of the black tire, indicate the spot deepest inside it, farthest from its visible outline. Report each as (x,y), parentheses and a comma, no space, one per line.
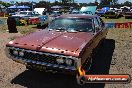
(81,80)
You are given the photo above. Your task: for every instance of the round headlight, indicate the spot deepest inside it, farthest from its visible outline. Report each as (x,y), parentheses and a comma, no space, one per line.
(21,53)
(15,52)
(68,61)
(60,60)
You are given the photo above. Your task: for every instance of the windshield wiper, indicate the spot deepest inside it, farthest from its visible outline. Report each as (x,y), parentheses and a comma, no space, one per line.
(60,29)
(72,30)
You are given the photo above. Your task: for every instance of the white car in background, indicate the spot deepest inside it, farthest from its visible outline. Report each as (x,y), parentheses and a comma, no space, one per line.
(26,14)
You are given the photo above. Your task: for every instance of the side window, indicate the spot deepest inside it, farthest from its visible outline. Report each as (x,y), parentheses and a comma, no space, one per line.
(102,22)
(96,23)
(99,21)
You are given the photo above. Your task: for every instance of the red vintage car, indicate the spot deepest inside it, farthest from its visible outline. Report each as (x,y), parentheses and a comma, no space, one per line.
(33,20)
(64,46)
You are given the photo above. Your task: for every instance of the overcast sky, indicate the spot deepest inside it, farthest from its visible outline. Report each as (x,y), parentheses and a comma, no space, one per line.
(79,1)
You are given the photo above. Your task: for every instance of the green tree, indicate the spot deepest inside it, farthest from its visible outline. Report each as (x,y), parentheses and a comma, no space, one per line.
(127,3)
(66,1)
(105,2)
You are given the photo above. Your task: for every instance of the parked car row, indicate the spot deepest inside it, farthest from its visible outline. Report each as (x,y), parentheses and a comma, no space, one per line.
(128,14)
(114,13)
(33,17)
(105,12)
(30,17)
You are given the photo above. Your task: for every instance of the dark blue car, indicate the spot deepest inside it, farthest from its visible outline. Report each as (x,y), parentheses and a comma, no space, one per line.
(102,11)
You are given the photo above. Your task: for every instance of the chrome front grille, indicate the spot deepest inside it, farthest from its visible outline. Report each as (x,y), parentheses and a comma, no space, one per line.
(34,57)
(40,57)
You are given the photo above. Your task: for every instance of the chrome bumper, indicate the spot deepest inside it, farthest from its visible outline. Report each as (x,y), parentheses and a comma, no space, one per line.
(38,63)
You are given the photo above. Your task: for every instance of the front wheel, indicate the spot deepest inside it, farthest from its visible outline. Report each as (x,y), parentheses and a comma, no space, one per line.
(81,80)
(88,64)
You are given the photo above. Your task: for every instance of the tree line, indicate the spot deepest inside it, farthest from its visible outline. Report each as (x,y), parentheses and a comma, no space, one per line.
(70,3)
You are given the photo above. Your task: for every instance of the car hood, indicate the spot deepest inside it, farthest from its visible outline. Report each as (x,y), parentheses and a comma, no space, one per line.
(68,43)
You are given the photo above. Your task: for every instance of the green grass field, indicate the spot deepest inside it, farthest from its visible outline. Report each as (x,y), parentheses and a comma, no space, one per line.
(120,20)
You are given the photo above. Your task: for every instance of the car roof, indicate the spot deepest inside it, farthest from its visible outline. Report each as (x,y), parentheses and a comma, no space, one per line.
(78,16)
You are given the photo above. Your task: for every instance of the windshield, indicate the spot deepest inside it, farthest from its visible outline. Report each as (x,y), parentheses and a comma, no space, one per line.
(71,24)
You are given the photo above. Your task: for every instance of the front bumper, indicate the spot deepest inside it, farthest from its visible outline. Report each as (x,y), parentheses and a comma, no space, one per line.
(39,65)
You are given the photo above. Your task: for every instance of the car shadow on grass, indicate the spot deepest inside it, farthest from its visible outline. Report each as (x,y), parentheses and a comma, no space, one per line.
(101,65)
